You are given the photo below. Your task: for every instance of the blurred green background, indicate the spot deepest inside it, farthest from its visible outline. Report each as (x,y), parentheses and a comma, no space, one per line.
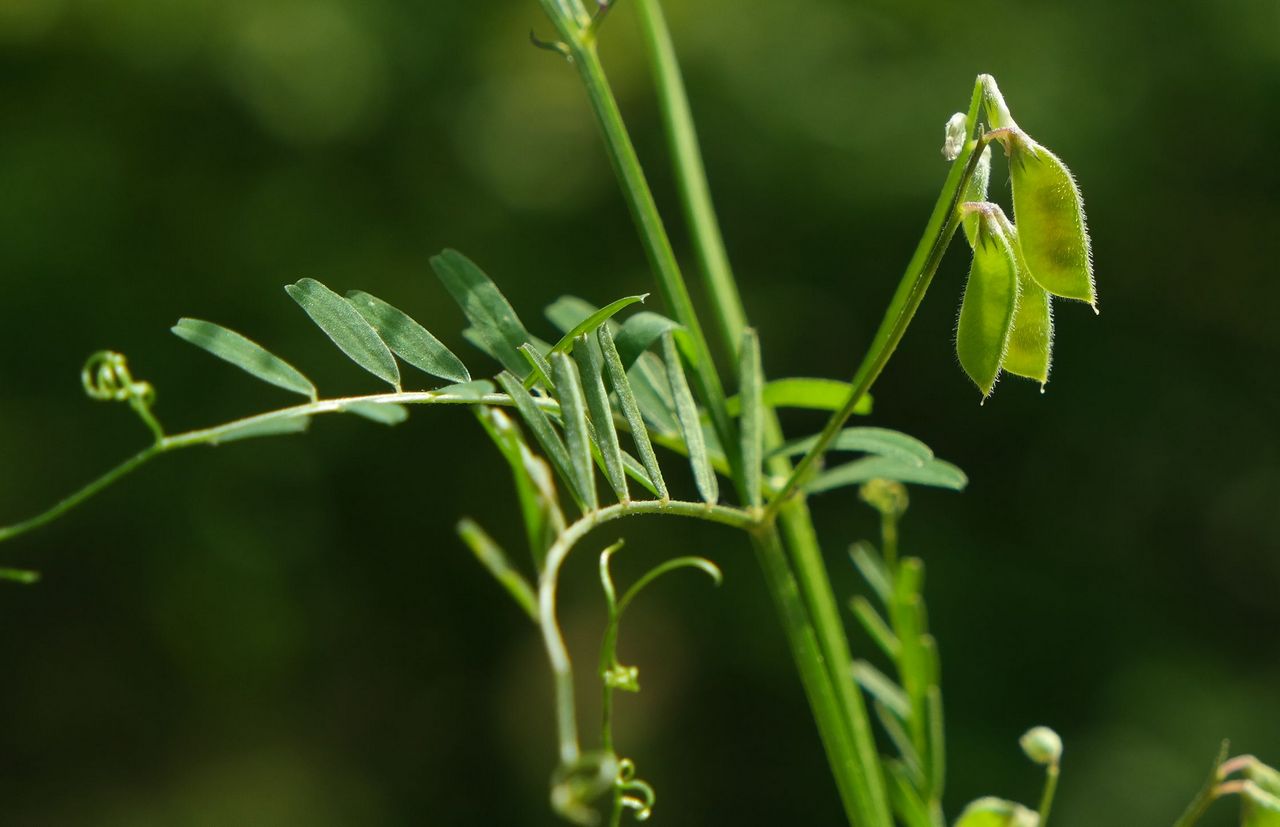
(287,632)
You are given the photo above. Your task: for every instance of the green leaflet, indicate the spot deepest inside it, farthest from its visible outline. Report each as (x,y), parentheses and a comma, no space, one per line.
(882,688)
(990,300)
(384,413)
(591,367)
(594,320)
(881,441)
(493,321)
(245,354)
(704,476)
(535,488)
(873,570)
(573,414)
(1049,213)
(935,472)
(805,393)
(630,409)
(409,340)
(543,432)
(474,390)
(267,427)
(906,801)
(638,334)
(648,382)
(495,560)
(540,373)
(24,577)
(751,422)
(995,812)
(346,328)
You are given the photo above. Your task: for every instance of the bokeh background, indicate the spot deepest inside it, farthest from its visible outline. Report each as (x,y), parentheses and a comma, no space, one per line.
(287,632)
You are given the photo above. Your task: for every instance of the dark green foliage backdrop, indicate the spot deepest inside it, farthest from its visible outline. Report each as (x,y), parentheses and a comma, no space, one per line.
(287,632)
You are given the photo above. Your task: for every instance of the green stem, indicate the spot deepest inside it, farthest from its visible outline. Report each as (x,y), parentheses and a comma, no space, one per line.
(657,245)
(557,652)
(861,782)
(216,434)
(906,300)
(1050,787)
(833,730)
(691,177)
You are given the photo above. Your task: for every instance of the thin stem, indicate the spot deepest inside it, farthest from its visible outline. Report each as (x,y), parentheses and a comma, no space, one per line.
(1050,787)
(833,729)
(691,177)
(1208,792)
(218,433)
(906,300)
(657,244)
(557,652)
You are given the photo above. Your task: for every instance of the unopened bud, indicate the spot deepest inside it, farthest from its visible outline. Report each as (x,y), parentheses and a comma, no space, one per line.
(1042,745)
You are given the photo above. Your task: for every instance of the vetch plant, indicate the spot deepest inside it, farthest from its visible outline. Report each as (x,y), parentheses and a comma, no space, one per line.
(581,422)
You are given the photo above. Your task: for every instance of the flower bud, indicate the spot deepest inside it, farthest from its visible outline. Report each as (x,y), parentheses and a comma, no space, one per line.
(1042,745)
(957,131)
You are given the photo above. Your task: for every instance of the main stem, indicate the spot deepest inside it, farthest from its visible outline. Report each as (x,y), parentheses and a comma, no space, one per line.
(796,522)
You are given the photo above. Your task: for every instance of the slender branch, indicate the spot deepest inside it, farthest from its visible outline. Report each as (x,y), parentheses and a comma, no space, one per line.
(557,652)
(657,244)
(691,178)
(943,223)
(218,433)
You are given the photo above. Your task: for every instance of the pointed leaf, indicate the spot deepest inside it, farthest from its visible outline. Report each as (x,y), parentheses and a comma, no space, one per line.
(904,797)
(751,421)
(409,340)
(275,426)
(630,409)
(591,362)
(880,441)
(567,312)
(639,333)
(704,476)
(492,318)
(347,328)
(493,558)
(543,431)
(935,472)
(475,390)
(245,354)
(876,627)
(882,688)
(384,413)
(805,393)
(573,414)
(990,300)
(535,489)
(873,570)
(540,373)
(594,320)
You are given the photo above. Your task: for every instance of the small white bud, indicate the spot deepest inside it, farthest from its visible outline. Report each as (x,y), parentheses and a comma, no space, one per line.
(956,133)
(1042,745)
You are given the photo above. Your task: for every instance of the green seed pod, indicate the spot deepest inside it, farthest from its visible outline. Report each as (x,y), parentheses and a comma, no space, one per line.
(1049,212)
(990,300)
(976,191)
(1030,352)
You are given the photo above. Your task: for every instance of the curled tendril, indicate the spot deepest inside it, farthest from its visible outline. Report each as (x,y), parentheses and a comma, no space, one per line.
(106,377)
(627,785)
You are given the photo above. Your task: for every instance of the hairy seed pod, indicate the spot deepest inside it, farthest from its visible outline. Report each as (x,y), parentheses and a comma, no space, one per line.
(1049,212)
(1030,352)
(976,191)
(990,300)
